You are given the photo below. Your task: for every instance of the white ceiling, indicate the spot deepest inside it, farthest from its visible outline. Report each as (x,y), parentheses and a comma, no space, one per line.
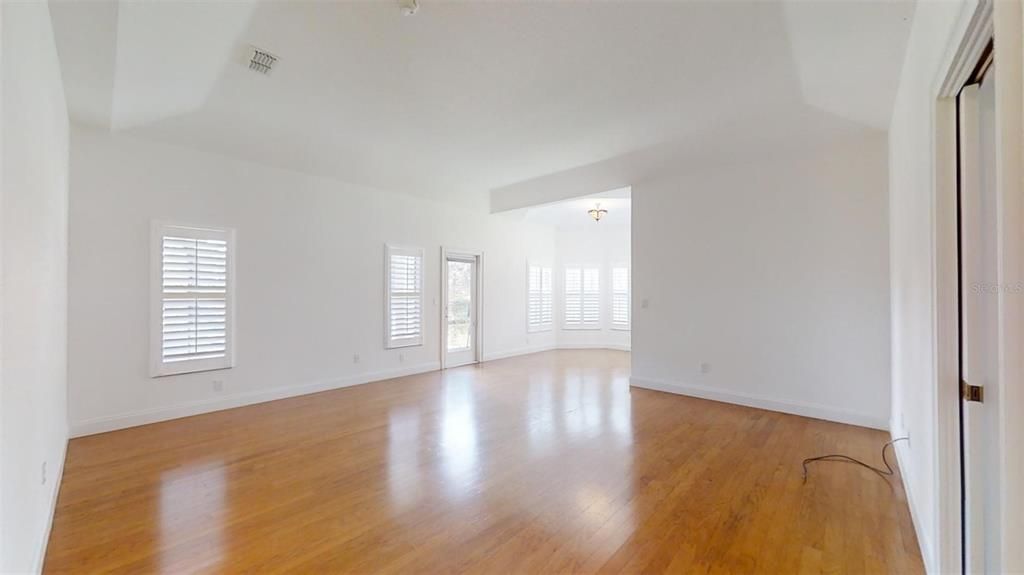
(573,213)
(466,97)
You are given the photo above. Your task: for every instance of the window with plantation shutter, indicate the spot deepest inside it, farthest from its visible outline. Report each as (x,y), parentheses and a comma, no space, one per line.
(539,298)
(404,306)
(582,298)
(620,298)
(192,299)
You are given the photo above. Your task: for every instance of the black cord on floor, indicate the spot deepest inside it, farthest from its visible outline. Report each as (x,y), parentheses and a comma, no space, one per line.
(887,472)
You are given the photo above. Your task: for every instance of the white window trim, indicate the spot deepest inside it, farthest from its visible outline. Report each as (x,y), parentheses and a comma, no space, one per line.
(389,250)
(628,326)
(543,327)
(158,368)
(595,326)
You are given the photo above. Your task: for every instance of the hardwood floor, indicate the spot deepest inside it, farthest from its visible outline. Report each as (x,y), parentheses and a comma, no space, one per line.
(541,463)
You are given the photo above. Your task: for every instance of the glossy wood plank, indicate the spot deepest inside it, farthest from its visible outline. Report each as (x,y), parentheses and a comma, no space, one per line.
(546,463)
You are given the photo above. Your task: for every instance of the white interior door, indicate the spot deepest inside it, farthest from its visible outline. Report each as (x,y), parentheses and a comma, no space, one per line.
(979,292)
(460,309)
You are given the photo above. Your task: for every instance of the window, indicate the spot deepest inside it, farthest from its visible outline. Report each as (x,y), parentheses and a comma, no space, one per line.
(404,306)
(620,297)
(582,298)
(192,298)
(539,298)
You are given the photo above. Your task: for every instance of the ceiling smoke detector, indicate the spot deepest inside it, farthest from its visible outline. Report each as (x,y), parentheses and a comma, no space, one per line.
(408,7)
(261,61)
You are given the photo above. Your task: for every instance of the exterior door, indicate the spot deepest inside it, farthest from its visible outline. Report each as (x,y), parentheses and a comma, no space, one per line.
(460,309)
(979,335)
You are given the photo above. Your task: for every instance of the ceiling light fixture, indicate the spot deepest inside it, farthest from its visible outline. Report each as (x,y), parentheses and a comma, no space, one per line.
(408,7)
(597,213)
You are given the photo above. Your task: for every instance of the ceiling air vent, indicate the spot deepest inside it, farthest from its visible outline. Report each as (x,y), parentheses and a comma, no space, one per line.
(261,61)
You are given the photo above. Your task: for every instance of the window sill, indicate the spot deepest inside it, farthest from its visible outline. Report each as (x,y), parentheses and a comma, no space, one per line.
(399,345)
(185,367)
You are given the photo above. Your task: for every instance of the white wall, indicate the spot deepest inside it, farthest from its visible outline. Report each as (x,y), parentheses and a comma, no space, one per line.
(33,377)
(309,277)
(773,271)
(912,252)
(593,244)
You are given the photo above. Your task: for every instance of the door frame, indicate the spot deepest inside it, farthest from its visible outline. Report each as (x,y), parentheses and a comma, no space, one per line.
(478,301)
(1002,21)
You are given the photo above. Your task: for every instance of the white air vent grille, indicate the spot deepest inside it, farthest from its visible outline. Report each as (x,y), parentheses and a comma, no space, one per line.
(261,61)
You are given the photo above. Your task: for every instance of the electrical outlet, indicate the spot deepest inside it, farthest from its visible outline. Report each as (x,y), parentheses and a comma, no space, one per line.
(355,358)
(43,474)
(643,303)
(705,367)
(218,385)
(401,357)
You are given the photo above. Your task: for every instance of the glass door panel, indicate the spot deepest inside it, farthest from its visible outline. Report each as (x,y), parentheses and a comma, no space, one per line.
(460,311)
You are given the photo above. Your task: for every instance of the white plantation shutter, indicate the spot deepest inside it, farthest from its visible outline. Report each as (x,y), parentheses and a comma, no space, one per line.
(191,300)
(404,311)
(591,297)
(539,298)
(573,297)
(582,298)
(546,298)
(620,298)
(533,320)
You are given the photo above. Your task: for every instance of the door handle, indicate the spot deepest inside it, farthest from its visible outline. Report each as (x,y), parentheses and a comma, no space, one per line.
(973,393)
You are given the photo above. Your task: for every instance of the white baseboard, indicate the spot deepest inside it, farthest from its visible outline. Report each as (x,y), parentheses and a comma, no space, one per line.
(906,476)
(154,415)
(56,480)
(518,351)
(816,411)
(612,346)
(550,347)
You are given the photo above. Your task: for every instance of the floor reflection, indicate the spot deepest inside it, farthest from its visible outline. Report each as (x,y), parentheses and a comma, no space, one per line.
(192,513)
(620,410)
(540,414)
(404,457)
(460,458)
(572,414)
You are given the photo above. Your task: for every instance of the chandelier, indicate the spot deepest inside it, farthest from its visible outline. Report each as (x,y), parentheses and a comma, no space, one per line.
(597,213)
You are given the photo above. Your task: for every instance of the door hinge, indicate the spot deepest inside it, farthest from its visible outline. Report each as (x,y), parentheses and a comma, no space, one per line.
(972,392)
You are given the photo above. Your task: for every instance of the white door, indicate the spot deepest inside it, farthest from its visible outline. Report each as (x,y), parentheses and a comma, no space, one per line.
(460,309)
(979,292)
